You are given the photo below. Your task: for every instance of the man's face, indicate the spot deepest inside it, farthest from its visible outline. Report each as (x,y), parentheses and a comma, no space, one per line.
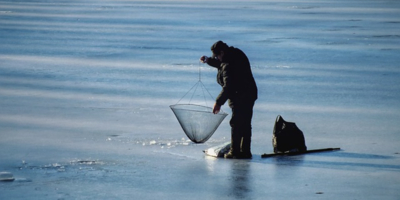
(220,56)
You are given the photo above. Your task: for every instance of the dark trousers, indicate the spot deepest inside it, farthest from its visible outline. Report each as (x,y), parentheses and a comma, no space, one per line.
(242,113)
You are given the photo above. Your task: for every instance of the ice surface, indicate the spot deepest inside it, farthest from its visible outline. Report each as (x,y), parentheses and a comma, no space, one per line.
(85,89)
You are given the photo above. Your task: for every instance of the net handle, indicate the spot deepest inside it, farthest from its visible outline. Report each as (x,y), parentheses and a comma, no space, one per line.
(195,86)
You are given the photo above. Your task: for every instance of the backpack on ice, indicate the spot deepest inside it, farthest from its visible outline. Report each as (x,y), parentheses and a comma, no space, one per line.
(287,137)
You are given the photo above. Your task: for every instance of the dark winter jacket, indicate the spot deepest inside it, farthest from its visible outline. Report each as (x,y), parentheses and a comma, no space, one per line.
(235,77)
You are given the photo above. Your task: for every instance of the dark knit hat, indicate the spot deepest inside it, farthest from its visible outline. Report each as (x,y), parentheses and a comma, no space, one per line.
(217,47)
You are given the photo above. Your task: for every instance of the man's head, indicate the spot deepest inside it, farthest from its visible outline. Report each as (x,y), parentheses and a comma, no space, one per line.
(218,49)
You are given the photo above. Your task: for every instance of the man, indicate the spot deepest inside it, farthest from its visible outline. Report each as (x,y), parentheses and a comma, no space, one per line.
(239,89)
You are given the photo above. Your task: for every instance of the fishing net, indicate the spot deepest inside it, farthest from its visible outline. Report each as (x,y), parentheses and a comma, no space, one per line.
(198,121)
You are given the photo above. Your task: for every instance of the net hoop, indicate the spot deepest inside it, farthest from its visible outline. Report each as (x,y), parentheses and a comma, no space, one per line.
(195,108)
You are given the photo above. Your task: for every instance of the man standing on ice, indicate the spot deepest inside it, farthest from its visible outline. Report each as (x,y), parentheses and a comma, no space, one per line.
(240,89)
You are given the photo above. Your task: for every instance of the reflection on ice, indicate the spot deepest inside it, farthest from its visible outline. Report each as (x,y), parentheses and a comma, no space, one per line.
(239,179)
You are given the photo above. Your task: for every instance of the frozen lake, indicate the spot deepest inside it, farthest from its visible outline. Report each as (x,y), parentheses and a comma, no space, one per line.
(85,90)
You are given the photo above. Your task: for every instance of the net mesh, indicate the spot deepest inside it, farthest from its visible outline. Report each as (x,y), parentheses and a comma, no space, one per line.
(198,122)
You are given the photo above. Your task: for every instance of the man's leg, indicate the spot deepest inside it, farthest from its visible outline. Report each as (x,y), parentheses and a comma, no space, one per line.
(235,135)
(247,129)
(241,131)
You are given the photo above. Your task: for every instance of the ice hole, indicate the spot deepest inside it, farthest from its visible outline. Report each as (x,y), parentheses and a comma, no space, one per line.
(6,176)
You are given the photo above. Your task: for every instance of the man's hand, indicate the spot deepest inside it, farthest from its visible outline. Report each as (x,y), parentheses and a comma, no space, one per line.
(216,108)
(204,59)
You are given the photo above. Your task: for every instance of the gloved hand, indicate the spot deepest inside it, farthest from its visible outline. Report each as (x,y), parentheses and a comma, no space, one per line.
(204,59)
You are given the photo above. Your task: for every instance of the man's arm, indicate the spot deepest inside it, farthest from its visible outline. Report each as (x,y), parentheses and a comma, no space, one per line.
(214,62)
(227,88)
(211,61)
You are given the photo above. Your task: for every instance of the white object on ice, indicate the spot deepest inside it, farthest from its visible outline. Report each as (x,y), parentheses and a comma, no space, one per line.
(219,150)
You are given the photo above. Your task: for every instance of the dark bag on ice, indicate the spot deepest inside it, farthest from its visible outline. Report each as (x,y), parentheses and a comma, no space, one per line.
(287,137)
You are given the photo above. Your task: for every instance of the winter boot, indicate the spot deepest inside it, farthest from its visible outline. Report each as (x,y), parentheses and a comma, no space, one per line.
(235,145)
(245,147)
